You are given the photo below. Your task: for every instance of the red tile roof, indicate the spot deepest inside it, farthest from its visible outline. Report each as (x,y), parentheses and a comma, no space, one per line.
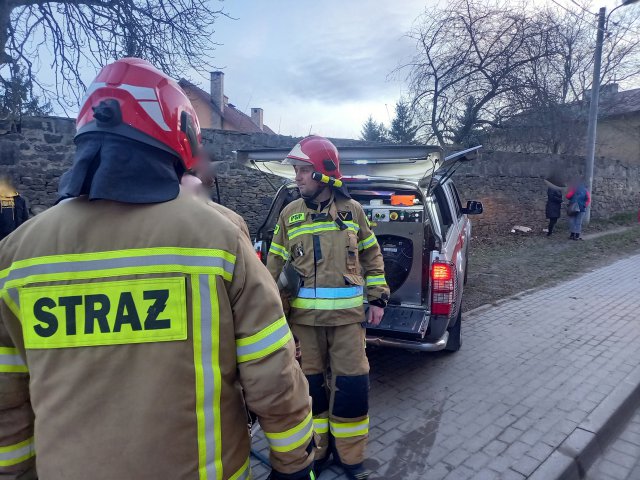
(240,122)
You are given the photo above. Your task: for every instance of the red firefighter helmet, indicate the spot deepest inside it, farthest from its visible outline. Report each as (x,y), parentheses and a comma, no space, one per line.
(319,152)
(131,98)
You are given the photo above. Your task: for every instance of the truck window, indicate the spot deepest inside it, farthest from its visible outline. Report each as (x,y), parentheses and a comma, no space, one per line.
(443,211)
(456,199)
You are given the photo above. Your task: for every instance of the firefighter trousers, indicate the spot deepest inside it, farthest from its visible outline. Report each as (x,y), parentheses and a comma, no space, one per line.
(340,405)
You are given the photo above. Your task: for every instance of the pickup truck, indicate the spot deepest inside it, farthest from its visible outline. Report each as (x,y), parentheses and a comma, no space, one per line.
(423,229)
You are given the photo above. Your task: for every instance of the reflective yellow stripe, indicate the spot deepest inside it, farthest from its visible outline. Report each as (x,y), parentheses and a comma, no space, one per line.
(118,263)
(321,425)
(353,429)
(16,453)
(327,303)
(263,343)
(311,228)
(10,297)
(244,473)
(199,374)
(279,250)
(292,438)
(376,280)
(11,361)
(368,242)
(206,334)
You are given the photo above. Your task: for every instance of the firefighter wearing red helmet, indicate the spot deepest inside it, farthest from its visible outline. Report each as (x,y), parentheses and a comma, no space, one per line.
(325,237)
(134,318)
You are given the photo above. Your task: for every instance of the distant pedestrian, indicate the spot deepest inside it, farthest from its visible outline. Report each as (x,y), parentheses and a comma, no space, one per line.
(554,205)
(579,199)
(13,208)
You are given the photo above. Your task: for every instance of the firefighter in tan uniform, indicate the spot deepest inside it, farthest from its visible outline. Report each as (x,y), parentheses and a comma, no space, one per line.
(133,318)
(325,237)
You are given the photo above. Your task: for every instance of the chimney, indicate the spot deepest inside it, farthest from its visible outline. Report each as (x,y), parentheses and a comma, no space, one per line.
(217,89)
(256,117)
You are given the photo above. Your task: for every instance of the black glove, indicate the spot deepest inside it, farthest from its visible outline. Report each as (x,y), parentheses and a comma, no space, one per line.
(305,474)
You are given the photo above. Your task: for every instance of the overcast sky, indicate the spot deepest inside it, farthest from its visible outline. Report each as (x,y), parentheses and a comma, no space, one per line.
(318,66)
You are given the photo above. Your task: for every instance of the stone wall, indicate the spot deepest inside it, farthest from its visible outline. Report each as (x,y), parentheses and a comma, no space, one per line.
(510,185)
(512,189)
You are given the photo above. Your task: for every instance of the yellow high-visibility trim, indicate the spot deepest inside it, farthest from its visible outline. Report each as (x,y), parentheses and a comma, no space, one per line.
(327,303)
(265,332)
(293,438)
(321,425)
(316,227)
(15,366)
(4,295)
(120,270)
(368,242)
(244,472)
(199,374)
(115,254)
(21,451)
(351,429)
(374,280)
(279,250)
(217,376)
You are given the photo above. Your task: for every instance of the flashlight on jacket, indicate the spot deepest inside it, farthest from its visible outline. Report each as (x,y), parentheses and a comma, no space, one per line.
(322,178)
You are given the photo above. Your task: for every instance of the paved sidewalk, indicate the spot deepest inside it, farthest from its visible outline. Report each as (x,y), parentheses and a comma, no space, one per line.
(531,369)
(621,459)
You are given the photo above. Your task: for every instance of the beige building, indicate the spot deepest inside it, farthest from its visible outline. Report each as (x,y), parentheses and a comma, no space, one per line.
(564,129)
(214,110)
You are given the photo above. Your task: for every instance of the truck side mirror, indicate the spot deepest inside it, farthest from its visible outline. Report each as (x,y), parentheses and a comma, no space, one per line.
(473,208)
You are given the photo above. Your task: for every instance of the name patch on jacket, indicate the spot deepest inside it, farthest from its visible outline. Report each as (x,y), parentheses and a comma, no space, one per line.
(104,313)
(296,218)
(345,216)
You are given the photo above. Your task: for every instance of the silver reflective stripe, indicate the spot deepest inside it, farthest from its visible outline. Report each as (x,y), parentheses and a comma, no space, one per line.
(113,263)
(139,93)
(10,456)
(267,341)
(207,368)
(153,110)
(291,439)
(9,359)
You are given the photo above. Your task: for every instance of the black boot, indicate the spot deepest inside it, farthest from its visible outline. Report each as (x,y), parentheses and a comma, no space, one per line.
(320,465)
(577,237)
(572,236)
(356,472)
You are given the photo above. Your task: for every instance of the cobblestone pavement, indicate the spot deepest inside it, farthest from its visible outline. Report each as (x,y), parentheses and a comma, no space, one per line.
(621,459)
(530,370)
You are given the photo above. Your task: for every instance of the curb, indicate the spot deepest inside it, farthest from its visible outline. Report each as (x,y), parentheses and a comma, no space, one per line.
(572,459)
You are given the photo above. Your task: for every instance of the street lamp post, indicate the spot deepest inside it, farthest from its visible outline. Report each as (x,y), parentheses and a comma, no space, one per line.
(595,97)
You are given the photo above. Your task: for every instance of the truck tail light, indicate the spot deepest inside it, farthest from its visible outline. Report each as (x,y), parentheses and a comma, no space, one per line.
(442,288)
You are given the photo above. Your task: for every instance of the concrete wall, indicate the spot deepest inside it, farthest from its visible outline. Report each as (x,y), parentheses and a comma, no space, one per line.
(510,185)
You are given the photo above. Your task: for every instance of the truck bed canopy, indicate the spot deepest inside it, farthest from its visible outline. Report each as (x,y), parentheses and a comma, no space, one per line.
(402,162)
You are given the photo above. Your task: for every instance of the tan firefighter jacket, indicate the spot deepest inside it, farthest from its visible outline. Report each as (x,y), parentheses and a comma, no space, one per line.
(337,256)
(132,331)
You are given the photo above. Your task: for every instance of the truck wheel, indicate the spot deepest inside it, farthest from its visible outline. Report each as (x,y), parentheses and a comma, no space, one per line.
(455,338)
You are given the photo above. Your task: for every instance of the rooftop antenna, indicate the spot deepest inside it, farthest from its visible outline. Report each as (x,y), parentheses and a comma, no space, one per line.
(310,128)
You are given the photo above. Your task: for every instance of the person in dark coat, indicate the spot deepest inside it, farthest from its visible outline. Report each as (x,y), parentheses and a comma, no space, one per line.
(13,208)
(553,207)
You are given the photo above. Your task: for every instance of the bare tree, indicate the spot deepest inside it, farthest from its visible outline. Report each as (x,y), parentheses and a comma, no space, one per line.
(173,35)
(549,106)
(470,49)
